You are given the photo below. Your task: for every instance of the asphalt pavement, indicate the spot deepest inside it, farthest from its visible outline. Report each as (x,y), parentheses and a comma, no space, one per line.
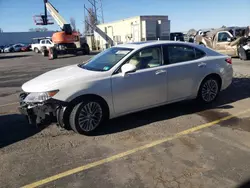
(178,145)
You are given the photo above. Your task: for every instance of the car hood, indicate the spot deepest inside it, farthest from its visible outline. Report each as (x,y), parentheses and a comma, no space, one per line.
(58,78)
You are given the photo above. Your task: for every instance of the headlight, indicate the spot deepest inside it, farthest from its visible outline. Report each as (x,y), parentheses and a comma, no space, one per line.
(40,96)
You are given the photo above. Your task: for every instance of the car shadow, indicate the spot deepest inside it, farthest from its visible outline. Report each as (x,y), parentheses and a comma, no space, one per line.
(14,128)
(94,52)
(79,54)
(239,89)
(69,56)
(13,56)
(245,184)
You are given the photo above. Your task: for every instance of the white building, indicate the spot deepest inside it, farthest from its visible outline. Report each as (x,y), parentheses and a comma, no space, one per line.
(136,29)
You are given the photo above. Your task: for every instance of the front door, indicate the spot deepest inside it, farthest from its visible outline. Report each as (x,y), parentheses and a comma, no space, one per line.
(185,69)
(222,45)
(144,88)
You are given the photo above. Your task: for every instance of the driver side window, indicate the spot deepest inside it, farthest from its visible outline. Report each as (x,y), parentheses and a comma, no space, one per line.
(146,58)
(223,36)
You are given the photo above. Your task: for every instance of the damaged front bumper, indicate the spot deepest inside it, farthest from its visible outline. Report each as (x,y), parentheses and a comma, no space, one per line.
(38,112)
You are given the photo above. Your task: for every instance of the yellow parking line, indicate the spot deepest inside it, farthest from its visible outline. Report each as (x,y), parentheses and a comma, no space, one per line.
(129,152)
(9,104)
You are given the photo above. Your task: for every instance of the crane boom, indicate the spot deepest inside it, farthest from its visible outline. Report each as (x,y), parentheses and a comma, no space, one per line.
(55,14)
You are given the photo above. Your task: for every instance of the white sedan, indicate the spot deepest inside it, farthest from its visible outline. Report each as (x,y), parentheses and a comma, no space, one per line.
(125,79)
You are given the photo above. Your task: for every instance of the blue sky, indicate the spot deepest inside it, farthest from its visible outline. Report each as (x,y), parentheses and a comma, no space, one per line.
(16,15)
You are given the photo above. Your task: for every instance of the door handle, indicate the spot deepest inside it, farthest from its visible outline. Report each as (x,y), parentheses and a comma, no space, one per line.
(202,64)
(160,72)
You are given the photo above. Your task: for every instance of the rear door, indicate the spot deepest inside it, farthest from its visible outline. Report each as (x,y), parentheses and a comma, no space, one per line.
(185,69)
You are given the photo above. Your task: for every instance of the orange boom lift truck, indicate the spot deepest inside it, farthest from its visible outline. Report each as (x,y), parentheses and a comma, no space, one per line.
(66,41)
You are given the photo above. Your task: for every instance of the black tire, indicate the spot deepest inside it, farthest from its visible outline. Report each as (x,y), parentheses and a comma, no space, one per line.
(210,87)
(36,50)
(242,54)
(45,53)
(78,112)
(52,53)
(86,50)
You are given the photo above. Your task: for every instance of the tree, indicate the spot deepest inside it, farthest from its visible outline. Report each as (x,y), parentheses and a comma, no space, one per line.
(223,26)
(73,23)
(1,31)
(90,20)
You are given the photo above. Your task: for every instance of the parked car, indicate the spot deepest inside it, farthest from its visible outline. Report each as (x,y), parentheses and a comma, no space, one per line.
(26,48)
(40,43)
(18,47)
(125,79)
(177,36)
(8,48)
(1,49)
(13,48)
(222,40)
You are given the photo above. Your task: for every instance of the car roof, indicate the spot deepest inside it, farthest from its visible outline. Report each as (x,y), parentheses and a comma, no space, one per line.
(139,45)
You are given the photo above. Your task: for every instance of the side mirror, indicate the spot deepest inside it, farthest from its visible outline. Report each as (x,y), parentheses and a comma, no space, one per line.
(128,68)
(229,39)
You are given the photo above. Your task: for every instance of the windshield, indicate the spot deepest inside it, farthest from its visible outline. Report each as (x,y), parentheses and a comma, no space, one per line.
(107,59)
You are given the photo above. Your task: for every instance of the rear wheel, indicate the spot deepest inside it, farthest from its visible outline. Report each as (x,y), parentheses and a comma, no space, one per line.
(209,90)
(86,49)
(87,116)
(36,50)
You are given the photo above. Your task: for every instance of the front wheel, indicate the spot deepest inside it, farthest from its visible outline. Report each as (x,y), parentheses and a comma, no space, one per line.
(209,90)
(87,116)
(242,54)
(86,50)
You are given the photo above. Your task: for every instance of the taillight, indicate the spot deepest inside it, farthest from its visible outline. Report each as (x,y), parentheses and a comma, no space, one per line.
(229,60)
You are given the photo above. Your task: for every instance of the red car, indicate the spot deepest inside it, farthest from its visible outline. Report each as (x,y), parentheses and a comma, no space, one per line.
(26,48)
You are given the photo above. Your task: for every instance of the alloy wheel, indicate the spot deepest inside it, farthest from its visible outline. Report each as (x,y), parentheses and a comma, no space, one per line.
(90,116)
(209,90)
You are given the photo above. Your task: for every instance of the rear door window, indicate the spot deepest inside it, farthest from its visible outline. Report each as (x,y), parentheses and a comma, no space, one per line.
(178,53)
(199,53)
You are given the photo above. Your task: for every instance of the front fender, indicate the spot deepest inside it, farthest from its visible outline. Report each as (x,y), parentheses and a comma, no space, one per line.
(100,88)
